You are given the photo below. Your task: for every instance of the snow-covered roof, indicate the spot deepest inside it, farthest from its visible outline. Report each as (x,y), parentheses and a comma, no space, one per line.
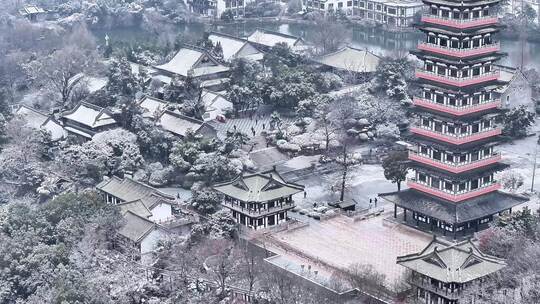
(258,187)
(351,59)
(232,46)
(271,38)
(31,9)
(196,60)
(136,227)
(129,190)
(89,115)
(152,106)
(215,101)
(38,120)
(179,124)
(33,117)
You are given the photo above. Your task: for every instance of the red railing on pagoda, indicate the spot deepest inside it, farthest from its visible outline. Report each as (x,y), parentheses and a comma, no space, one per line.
(453,197)
(454,139)
(460,53)
(456,81)
(464,110)
(459,23)
(453,168)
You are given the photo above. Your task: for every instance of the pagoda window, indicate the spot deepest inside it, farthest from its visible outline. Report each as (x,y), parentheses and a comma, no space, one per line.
(474,156)
(438,127)
(476,43)
(455,14)
(452,101)
(451,130)
(487,152)
(435,182)
(455,43)
(476,128)
(424,150)
(434,11)
(487,96)
(443,42)
(466,44)
(429,67)
(476,99)
(462,187)
(449,157)
(463,130)
(432,39)
(422,177)
(445,13)
(437,155)
(465,73)
(463,158)
(465,15)
(448,186)
(439,99)
(425,122)
(476,71)
(485,12)
(474,184)
(487,124)
(453,73)
(476,14)
(487,39)
(487,68)
(441,71)
(427,95)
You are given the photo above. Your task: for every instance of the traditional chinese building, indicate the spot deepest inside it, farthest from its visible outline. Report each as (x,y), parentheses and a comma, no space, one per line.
(441,271)
(259,200)
(454,133)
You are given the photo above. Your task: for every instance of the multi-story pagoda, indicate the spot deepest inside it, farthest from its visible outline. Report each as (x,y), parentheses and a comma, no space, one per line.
(454,130)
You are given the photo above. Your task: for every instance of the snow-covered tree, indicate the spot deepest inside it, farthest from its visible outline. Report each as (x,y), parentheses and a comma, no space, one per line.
(511,180)
(517,122)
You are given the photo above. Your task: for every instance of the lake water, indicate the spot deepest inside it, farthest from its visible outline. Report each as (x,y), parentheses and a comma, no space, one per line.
(374,39)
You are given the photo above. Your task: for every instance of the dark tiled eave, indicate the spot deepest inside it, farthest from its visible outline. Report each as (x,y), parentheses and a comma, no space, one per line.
(452,117)
(454,213)
(458,91)
(453,32)
(469,89)
(448,146)
(459,4)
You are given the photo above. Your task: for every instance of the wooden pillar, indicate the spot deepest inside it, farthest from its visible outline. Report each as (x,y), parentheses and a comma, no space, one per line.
(454,230)
(395,211)
(477,225)
(404,214)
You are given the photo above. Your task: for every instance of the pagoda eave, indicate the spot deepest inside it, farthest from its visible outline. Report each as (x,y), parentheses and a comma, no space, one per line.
(468,117)
(450,146)
(462,176)
(465,89)
(434,28)
(450,212)
(459,61)
(461,4)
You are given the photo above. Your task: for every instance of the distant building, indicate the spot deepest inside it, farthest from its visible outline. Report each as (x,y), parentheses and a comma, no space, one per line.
(215,8)
(442,271)
(193,62)
(517,89)
(86,119)
(235,47)
(259,200)
(267,39)
(179,125)
(33,13)
(350,60)
(388,12)
(41,121)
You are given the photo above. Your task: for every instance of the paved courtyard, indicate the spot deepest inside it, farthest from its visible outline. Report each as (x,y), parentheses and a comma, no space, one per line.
(339,242)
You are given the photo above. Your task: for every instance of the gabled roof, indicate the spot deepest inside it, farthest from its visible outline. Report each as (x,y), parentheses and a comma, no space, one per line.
(258,187)
(232,46)
(179,124)
(215,101)
(452,263)
(129,190)
(351,59)
(194,59)
(136,227)
(136,207)
(152,106)
(90,115)
(34,118)
(38,120)
(271,38)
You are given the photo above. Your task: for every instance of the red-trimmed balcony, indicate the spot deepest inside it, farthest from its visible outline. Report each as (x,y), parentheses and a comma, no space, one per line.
(456,81)
(460,53)
(454,139)
(453,197)
(453,168)
(459,111)
(458,23)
